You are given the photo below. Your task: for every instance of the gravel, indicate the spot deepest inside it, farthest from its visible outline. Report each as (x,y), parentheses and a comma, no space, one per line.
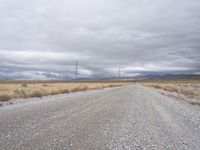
(132,117)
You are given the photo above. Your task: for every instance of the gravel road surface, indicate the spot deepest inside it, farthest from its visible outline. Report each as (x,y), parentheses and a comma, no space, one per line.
(132,117)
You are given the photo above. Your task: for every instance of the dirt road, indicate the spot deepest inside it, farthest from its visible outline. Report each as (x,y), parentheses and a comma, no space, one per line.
(132,117)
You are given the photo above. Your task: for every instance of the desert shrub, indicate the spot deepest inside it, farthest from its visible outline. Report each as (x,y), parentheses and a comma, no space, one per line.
(24,85)
(170,88)
(74,89)
(156,86)
(59,92)
(54,92)
(64,91)
(84,88)
(195,103)
(80,88)
(25,93)
(189,93)
(21,93)
(112,85)
(5,97)
(38,93)
(45,84)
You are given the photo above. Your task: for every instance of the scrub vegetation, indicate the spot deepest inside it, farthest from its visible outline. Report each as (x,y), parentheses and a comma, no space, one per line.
(182,89)
(17,90)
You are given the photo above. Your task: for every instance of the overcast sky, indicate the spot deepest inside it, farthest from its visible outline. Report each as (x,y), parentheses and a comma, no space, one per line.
(42,39)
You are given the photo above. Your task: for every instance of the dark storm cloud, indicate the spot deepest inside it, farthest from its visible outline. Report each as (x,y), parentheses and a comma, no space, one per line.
(42,38)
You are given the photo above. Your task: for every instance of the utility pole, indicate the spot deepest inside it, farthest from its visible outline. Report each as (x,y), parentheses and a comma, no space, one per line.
(119,74)
(76,70)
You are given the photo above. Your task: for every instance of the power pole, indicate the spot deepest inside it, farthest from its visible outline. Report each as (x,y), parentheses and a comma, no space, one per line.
(76,70)
(119,74)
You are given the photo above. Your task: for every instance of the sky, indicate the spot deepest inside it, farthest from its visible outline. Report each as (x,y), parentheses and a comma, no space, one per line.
(42,39)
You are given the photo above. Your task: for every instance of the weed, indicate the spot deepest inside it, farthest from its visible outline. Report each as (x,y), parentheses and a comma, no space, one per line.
(64,91)
(38,93)
(45,84)
(54,93)
(21,93)
(24,85)
(156,86)
(5,97)
(84,88)
(75,89)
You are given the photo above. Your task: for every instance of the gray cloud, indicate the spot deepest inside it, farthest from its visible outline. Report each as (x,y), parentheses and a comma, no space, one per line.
(41,39)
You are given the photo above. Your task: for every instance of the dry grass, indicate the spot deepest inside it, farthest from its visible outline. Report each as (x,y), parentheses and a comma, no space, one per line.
(5,97)
(32,89)
(189,88)
(24,85)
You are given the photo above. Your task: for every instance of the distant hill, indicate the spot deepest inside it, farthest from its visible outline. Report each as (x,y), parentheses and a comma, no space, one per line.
(155,77)
(169,76)
(140,77)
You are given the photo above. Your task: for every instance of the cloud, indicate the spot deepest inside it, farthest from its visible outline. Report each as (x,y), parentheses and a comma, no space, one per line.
(103,35)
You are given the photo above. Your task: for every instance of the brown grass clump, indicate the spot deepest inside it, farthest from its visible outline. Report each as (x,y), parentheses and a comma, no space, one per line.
(113,85)
(80,88)
(27,93)
(21,93)
(156,86)
(63,91)
(75,89)
(45,84)
(195,103)
(189,93)
(24,85)
(5,97)
(38,93)
(83,88)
